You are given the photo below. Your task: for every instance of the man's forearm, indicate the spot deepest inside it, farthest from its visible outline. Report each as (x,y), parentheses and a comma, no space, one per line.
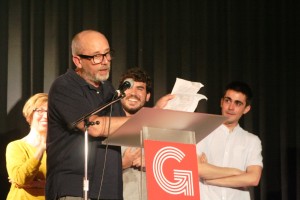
(248,179)
(208,171)
(104,126)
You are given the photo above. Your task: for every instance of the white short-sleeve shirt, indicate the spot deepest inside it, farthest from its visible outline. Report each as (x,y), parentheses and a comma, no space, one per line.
(237,149)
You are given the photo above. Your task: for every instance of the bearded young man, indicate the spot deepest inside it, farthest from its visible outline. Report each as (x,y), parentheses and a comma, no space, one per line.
(132,158)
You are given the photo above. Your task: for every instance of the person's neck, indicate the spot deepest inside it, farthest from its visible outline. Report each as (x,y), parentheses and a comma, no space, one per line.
(230,126)
(93,83)
(127,114)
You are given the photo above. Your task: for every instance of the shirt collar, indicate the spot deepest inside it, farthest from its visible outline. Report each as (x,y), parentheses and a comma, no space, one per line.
(235,129)
(83,82)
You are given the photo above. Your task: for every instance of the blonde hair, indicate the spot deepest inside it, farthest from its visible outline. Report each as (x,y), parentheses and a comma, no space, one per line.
(33,103)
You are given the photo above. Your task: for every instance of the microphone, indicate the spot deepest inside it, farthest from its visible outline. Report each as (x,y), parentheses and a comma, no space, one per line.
(127,83)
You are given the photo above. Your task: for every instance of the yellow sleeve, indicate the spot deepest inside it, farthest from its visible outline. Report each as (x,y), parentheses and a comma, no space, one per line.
(21,165)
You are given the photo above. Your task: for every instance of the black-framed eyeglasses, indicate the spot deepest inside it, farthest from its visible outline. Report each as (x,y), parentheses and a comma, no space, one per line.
(40,111)
(98,58)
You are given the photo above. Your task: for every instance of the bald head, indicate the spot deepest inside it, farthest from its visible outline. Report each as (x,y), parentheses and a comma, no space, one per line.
(88,41)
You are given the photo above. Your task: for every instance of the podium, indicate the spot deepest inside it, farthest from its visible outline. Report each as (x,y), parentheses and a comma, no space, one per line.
(168,138)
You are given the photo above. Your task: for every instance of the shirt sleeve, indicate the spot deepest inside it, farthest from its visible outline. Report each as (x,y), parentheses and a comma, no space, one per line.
(21,166)
(255,154)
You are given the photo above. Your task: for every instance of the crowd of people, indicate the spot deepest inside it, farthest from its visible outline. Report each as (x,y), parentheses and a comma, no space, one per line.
(229,161)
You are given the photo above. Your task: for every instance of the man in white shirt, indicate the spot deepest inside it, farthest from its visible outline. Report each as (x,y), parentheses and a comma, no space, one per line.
(230,159)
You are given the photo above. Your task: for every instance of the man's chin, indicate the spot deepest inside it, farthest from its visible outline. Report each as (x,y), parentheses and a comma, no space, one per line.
(228,122)
(102,78)
(132,111)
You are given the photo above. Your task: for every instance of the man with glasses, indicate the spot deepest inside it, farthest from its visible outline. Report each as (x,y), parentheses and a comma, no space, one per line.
(73,95)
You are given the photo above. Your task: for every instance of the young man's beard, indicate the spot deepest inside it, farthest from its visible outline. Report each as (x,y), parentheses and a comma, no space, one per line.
(132,111)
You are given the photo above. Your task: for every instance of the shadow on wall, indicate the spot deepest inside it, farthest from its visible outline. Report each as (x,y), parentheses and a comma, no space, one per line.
(16,128)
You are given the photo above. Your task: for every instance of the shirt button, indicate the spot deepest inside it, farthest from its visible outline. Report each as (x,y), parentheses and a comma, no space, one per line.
(98,92)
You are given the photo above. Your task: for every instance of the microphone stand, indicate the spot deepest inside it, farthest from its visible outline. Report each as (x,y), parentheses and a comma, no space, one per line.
(87,123)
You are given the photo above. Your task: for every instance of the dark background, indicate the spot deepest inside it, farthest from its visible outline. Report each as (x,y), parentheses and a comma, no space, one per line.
(208,41)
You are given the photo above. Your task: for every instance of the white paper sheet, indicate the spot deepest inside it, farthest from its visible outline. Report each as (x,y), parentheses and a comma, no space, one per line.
(186,96)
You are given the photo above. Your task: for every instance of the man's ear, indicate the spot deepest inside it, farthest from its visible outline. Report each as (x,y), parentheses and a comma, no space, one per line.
(77,61)
(221,102)
(247,109)
(148,96)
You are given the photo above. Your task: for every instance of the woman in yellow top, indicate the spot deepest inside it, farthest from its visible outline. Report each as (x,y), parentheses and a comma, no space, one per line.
(26,157)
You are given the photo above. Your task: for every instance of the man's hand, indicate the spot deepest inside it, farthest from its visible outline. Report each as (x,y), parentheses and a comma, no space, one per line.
(163,101)
(131,157)
(202,158)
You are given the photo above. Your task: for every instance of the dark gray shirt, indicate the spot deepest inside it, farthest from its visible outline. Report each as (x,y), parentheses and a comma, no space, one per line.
(70,98)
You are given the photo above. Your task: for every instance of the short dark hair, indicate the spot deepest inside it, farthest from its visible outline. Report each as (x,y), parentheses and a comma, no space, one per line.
(242,87)
(139,75)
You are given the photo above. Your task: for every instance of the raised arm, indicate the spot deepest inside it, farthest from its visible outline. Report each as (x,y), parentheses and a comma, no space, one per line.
(21,170)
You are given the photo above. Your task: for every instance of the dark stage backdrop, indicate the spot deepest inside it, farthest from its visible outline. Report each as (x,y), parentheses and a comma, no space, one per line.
(208,41)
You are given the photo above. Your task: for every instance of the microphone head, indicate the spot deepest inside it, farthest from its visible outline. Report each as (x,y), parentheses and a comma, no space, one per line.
(127,83)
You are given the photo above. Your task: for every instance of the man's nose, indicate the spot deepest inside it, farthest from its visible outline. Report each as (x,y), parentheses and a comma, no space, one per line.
(231,106)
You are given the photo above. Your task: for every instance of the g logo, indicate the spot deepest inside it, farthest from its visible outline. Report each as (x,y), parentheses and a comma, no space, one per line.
(183,183)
